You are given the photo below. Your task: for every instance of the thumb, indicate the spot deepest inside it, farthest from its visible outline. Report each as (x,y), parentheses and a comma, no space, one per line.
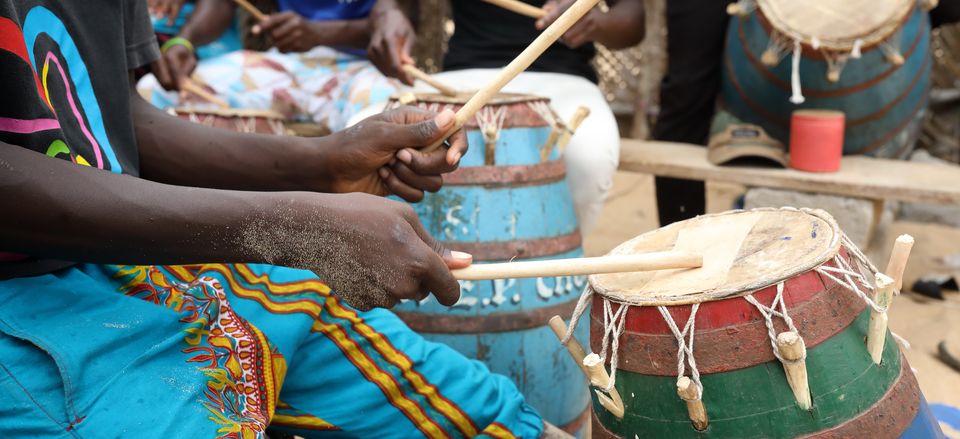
(456,260)
(430,130)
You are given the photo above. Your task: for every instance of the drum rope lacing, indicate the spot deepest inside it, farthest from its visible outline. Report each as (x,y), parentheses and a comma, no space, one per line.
(769,312)
(685,350)
(490,121)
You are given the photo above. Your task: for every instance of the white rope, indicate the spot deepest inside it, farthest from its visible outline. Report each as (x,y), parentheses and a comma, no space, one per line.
(544,111)
(797,96)
(815,43)
(891,46)
(777,45)
(488,117)
(850,281)
(855,52)
(769,312)
(685,351)
(835,62)
(858,254)
(613,324)
(582,304)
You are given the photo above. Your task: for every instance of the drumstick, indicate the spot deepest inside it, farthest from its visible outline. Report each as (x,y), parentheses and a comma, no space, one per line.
(592,367)
(550,35)
(251,9)
(444,89)
(191,87)
(581,266)
(519,7)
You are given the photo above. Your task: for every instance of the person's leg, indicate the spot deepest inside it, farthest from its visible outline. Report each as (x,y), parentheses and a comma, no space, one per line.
(695,36)
(364,374)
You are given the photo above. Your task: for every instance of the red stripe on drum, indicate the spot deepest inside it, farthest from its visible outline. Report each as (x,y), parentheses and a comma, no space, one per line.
(527,248)
(510,175)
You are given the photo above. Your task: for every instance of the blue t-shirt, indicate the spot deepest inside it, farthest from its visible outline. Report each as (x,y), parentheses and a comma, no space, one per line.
(328,9)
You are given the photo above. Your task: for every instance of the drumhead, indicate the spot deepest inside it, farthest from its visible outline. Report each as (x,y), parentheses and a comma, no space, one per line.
(837,24)
(743,251)
(230,112)
(462,98)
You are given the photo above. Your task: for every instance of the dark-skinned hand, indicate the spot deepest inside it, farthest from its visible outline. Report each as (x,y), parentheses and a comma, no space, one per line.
(291,32)
(391,40)
(384,155)
(168,9)
(175,65)
(582,32)
(381,253)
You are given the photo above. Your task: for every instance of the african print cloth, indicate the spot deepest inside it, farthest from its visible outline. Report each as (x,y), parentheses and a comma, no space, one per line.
(323,86)
(228,351)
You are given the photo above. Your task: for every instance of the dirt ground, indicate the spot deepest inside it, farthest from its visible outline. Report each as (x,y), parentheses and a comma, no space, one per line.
(630,210)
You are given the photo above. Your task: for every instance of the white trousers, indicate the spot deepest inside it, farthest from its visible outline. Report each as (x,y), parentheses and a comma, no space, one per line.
(594,151)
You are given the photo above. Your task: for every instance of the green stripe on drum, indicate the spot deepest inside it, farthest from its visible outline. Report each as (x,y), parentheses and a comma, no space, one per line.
(757,401)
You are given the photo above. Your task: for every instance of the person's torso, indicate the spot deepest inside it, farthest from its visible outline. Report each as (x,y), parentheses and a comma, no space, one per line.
(328,9)
(488,36)
(64,85)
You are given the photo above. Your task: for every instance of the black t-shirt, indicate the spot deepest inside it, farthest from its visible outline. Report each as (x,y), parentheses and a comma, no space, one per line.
(64,88)
(488,36)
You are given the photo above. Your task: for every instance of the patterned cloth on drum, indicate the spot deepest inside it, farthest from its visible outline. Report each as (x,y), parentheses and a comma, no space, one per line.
(323,86)
(768,274)
(241,121)
(867,58)
(509,200)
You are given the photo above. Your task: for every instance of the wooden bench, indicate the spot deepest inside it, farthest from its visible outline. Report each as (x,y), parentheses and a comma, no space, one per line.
(875,179)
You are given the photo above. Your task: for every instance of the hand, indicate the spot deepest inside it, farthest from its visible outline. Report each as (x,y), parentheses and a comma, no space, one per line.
(390,44)
(372,251)
(584,31)
(176,65)
(291,32)
(166,8)
(380,155)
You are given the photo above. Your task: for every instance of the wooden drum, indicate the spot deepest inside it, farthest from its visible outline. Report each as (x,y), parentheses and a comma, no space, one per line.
(508,201)
(235,119)
(766,340)
(867,58)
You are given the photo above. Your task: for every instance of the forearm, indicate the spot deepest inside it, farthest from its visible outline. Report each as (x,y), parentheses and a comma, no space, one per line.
(55,209)
(179,152)
(343,33)
(623,25)
(210,19)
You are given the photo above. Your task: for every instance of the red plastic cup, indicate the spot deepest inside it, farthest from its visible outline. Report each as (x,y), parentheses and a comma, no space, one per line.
(816,140)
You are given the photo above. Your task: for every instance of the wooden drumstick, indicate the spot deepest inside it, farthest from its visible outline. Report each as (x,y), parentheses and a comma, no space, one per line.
(251,9)
(444,89)
(519,7)
(191,87)
(687,390)
(898,260)
(580,266)
(572,126)
(592,367)
(550,35)
(877,329)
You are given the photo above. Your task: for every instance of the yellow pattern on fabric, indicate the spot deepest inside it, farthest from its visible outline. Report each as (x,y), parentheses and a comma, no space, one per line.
(498,431)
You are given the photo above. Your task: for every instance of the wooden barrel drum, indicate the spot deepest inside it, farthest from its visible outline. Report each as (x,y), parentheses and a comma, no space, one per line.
(867,58)
(509,201)
(771,277)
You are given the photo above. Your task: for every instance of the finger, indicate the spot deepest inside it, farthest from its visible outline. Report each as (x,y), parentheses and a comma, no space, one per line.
(402,58)
(289,41)
(553,11)
(426,132)
(174,13)
(430,163)
(285,29)
(440,281)
(159,68)
(270,22)
(577,35)
(424,182)
(399,188)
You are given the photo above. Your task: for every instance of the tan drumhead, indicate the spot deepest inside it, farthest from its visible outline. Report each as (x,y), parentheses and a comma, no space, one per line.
(462,98)
(230,112)
(837,24)
(743,251)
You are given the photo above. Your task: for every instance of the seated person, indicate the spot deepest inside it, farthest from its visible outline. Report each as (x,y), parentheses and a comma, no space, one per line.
(169,16)
(316,71)
(92,175)
(487,37)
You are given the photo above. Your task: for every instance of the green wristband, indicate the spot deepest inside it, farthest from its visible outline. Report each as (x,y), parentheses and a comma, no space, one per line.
(177,41)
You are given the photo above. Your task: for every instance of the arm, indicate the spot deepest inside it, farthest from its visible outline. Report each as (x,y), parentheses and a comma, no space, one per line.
(620,27)
(209,20)
(291,32)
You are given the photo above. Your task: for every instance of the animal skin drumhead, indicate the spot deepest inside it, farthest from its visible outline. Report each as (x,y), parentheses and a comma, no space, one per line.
(836,24)
(743,251)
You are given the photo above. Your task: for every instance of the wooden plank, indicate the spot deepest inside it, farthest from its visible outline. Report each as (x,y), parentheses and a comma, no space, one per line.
(859,176)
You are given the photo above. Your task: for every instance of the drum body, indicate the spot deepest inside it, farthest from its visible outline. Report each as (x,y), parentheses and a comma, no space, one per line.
(509,201)
(744,387)
(884,102)
(235,119)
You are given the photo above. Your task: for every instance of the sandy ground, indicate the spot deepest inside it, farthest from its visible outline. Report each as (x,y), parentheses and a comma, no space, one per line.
(630,210)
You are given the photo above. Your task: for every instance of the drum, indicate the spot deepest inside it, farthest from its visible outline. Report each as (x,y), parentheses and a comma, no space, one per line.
(235,119)
(766,340)
(867,58)
(508,201)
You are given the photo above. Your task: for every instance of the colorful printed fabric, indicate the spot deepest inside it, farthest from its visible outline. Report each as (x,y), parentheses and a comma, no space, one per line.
(228,351)
(323,86)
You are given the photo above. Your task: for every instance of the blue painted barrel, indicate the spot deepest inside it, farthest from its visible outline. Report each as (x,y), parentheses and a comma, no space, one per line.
(884,103)
(509,201)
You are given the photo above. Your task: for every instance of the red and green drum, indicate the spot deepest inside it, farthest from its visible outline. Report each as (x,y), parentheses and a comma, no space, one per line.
(767,273)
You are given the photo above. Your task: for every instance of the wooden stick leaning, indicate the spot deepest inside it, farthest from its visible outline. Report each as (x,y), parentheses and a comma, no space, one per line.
(572,126)
(550,35)
(877,329)
(581,266)
(192,87)
(251,9)
(794,353)
(898,260)
(444,89)
(519,7)
(592,367)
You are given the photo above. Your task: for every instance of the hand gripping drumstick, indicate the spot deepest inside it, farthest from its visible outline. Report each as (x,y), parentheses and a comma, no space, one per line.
(519,7)
(192,87)
(550,35)
(444,89)
(593,369)
(580,266)
(251,9)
